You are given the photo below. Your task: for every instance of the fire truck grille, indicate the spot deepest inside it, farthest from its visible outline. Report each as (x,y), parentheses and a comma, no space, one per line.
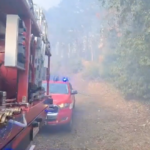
(51,118)
(53,112)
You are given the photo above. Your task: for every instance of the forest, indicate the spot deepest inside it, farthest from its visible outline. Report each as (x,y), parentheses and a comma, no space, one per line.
(129,66)
(106,40)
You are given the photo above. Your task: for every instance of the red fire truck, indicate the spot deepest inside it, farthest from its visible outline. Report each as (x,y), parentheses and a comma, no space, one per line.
(63,95)
(24,62)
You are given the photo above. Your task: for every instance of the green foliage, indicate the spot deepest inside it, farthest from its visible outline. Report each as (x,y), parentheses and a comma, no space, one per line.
(130,68)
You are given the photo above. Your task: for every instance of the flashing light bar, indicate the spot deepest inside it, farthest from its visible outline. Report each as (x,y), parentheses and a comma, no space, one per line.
(65,79)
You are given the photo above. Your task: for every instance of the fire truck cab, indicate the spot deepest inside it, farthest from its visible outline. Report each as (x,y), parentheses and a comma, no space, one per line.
(61,111)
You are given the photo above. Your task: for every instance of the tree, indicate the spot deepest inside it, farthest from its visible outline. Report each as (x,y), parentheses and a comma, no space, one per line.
(131,66)
(69,23)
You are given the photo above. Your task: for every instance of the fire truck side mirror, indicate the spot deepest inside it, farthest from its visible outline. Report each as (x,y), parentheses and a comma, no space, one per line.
(73,92)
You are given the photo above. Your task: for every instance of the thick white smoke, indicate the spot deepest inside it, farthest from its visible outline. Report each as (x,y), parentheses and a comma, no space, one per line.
(47,3)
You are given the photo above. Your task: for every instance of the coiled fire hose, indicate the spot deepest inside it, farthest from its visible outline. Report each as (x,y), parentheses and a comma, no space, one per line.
(24,124)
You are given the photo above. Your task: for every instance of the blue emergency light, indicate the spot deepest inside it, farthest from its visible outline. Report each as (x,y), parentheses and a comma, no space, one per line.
(47,111)
(65,79)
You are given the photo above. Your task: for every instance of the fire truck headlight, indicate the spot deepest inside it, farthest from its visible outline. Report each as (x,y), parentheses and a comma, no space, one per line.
(64,105)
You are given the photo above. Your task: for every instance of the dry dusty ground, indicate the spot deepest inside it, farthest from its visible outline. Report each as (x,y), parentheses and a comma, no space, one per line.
(103,121)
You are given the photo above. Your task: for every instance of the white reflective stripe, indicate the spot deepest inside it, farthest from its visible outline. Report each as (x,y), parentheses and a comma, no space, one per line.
(52,114)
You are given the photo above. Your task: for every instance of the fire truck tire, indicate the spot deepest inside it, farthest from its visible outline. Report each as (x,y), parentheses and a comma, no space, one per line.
(68,126)
(74,104)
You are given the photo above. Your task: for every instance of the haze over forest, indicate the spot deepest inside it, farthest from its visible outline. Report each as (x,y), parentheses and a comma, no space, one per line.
(74,28)
(108,41)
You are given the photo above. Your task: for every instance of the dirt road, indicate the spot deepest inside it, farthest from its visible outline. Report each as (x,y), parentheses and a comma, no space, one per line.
(103,120)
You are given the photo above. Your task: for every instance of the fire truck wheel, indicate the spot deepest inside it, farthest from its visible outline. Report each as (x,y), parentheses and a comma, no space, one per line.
(74,106)
(68,126)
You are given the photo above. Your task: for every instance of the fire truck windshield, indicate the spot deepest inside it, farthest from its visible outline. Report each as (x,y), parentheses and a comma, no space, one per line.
(57,88)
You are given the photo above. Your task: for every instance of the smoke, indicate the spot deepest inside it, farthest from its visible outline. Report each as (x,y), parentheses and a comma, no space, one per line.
(47,4)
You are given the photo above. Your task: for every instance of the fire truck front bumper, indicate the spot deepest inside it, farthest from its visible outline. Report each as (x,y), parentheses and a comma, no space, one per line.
(61,117)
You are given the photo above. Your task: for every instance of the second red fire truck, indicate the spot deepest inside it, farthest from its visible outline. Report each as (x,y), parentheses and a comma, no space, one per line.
(63,95)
